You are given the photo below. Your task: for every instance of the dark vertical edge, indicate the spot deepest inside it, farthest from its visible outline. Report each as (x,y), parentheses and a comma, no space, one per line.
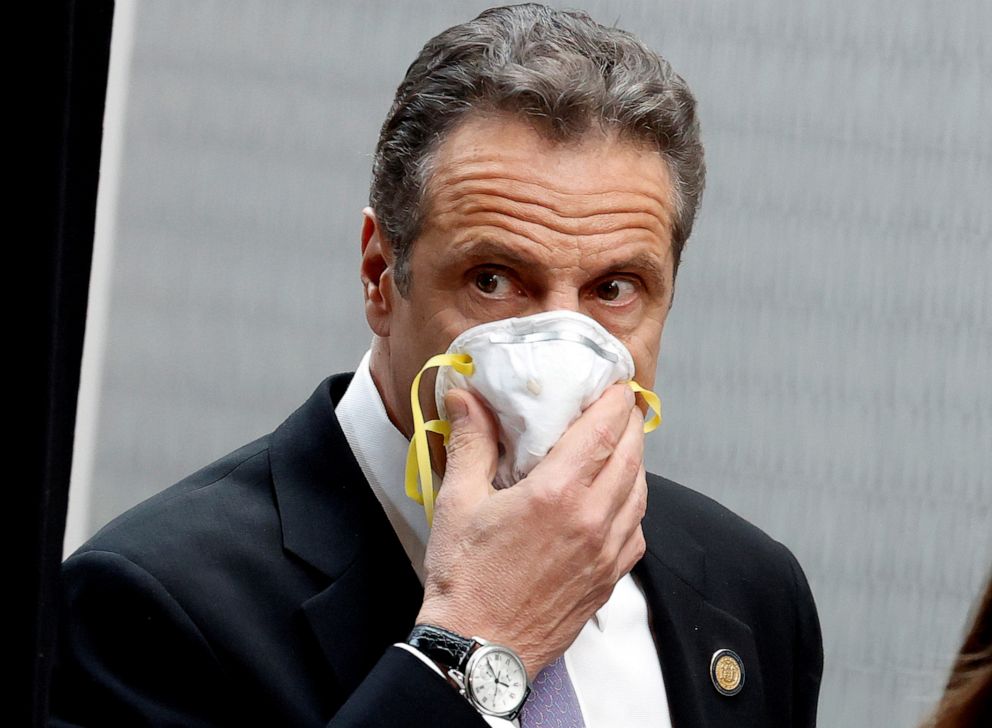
(70,52)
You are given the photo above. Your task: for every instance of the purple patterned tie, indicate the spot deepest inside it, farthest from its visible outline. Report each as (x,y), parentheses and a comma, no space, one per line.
(552,702)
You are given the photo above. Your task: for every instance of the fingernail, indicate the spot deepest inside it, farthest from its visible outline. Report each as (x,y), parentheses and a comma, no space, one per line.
(457,411)
(629,395)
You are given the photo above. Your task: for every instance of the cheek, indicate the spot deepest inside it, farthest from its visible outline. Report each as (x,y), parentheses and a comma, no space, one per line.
(432,332)
(645,349)
(430,315)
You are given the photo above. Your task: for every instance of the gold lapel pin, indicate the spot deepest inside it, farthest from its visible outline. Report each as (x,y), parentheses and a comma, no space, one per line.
(727,672)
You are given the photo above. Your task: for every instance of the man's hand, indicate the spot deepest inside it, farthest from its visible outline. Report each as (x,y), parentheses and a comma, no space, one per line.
(527,566)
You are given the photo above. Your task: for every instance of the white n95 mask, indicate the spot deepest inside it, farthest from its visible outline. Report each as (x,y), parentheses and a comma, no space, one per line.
(536,374)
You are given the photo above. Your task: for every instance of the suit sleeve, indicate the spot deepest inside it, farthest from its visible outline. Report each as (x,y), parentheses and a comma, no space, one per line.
(129,654)
(402,691)
(808,654)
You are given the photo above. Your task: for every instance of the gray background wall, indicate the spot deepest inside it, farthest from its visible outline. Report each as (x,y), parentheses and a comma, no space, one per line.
(825,367)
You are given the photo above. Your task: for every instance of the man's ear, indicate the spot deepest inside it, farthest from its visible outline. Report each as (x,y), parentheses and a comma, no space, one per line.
(379,288)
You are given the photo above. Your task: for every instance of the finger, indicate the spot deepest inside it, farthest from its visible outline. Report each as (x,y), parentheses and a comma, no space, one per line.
(632,552)
(625,532)
(472,449)
(588,443)
(614,482)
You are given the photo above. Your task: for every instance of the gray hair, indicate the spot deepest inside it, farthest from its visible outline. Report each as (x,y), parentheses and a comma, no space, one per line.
(558,68)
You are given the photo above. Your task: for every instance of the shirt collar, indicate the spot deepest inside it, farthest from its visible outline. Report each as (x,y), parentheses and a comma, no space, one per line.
(380,450)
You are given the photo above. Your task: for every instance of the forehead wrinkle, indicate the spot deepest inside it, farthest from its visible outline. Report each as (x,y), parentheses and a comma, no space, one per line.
(553,237)
(538,211)
(592,219)
(593,226)
(525,191)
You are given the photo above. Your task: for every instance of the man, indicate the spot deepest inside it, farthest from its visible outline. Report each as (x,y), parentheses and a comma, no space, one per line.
(532,161)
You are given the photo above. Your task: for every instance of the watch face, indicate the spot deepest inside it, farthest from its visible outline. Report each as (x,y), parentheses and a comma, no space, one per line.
(496,680)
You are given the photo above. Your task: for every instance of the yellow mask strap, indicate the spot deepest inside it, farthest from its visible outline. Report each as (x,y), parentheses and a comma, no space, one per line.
(654,403)
(418,457)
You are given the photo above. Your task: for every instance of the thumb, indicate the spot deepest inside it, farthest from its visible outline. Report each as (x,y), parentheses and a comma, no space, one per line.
(472,445)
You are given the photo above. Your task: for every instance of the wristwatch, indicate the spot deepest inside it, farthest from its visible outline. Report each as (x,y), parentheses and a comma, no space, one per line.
(491,677)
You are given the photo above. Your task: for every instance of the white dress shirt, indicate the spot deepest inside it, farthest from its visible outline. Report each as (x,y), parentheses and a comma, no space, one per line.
(613,663)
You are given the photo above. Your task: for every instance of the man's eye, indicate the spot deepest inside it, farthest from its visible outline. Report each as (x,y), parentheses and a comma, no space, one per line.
(489,282)
(615,289)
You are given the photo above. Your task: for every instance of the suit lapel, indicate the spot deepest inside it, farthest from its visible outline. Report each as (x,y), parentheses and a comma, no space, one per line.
(688,629)
(371,606)
(332,521)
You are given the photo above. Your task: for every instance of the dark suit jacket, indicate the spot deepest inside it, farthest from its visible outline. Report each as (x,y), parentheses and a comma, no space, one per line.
(268,588)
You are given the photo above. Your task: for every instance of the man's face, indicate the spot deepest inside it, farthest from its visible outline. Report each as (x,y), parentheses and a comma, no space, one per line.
(516,225)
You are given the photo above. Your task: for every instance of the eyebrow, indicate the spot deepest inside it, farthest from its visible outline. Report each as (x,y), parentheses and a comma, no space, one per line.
(646,265)
(488,249)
